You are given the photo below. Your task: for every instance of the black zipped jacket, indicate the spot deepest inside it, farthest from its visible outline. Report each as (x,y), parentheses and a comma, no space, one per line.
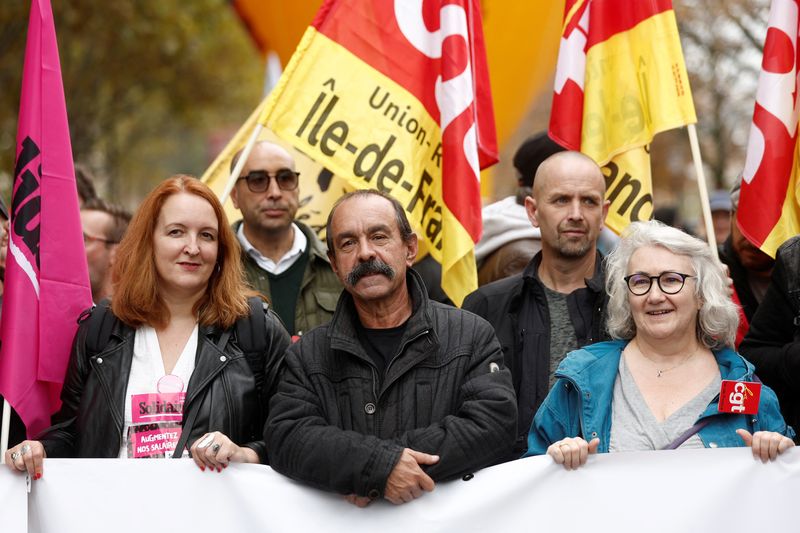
(334,424)
(517,309)
(772,343)
(221,389)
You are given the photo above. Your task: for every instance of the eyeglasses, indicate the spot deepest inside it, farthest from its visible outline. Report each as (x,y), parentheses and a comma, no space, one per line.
(668,282)
(91,238)
(258,180)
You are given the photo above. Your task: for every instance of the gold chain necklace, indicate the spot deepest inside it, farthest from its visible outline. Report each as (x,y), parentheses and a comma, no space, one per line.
(660,371)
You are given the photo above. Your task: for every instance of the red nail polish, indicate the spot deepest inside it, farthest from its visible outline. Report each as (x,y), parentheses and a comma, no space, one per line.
(202,468)
(219,470)
(38,476)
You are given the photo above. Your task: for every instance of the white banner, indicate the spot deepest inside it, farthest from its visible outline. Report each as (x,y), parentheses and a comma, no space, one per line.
(13,502)
(692,490)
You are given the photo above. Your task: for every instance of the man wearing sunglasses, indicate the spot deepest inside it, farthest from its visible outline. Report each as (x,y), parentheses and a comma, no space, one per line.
(557,304)
(282,257)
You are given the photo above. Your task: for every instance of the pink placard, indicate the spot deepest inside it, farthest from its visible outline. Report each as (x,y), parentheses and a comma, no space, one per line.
(160,441)
(158,407)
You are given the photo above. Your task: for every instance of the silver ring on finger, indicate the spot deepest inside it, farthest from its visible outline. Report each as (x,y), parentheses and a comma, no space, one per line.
(15,456)
(205,441)
(215,448)
(25,449)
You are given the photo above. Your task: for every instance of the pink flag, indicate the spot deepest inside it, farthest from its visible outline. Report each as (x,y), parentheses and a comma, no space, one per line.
(47,280)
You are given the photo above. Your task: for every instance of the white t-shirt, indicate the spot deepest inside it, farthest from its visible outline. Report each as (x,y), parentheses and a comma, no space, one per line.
(154,399)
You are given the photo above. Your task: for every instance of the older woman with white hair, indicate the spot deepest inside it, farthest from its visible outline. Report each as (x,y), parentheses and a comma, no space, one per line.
(657,385)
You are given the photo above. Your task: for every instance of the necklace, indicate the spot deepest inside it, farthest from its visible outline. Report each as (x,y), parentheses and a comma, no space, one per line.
(661,371)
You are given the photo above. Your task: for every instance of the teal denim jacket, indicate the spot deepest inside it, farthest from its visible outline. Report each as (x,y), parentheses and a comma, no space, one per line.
(579,404)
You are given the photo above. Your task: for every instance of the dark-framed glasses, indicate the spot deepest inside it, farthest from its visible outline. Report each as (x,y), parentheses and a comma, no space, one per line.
(668,282)
(91,238)
(258,180)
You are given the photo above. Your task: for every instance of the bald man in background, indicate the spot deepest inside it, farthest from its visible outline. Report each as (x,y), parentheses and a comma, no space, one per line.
(282,257)
(557,304)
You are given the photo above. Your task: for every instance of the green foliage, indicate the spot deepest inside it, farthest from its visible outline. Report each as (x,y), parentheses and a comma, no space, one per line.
(146,83)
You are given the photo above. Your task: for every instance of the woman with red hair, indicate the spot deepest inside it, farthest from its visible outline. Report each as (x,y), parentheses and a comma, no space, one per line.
(172,376)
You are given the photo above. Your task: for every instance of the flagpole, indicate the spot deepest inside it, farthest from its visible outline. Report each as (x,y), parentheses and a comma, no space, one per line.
(237,169)
(701,185)
(5,430)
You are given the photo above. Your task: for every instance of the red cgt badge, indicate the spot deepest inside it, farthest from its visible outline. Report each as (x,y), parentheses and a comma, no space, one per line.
(739,397)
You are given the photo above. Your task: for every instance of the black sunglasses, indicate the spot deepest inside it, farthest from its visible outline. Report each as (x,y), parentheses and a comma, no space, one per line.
(258,180)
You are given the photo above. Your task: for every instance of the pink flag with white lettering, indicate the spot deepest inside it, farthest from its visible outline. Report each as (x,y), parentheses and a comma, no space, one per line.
(47,280)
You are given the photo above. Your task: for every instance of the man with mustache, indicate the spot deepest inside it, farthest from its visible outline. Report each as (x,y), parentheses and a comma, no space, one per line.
(283,258)
(398,392)
(557,304)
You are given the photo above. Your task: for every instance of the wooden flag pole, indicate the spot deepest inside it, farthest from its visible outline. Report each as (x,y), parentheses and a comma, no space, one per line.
(701,185)
(240,163)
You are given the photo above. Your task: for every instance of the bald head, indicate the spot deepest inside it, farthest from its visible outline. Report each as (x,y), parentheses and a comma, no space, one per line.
(265,149)
(568,163)
(568,205)
(267,209)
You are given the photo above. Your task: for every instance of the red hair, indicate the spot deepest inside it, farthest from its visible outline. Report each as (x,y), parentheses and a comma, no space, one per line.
(136,299)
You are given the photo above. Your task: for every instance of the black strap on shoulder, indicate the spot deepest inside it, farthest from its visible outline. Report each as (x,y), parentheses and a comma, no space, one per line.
(251,330)
(683,437)
(186,430)
(251,336)
(101,324)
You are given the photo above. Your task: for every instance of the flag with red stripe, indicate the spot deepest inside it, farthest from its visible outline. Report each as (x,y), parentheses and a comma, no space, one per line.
(395,96)
(769,204)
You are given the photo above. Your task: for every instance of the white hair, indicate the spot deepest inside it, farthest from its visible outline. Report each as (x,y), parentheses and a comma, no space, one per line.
(718,317)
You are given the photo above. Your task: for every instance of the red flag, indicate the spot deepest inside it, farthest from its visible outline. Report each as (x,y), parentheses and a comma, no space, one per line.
(47,280)
(619,81)
(769,205)
(395,95)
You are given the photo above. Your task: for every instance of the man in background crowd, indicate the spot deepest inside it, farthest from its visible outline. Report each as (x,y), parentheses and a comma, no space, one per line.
(557,304)
(104,225)
(509,240)
(749,267)
(283,258)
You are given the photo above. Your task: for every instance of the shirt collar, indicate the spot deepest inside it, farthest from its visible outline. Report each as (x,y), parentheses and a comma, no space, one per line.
(298,247)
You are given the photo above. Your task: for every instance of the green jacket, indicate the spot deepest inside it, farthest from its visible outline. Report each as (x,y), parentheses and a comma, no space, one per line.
(320,288)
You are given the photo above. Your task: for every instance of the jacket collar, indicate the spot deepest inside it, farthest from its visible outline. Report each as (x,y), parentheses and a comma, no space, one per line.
(342,329)
(530,278)
(599,363)
(316,248)
(209,360)
(593,370)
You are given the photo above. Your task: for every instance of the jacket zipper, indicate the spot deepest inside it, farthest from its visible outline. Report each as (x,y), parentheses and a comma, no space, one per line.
(375,378)
(402,349)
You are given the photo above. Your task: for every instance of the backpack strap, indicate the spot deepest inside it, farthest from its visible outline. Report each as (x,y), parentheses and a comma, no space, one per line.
(101,324)
(251,336)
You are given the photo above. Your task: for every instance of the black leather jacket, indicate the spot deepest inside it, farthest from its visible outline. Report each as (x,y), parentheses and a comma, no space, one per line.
(222,391)
(336,425)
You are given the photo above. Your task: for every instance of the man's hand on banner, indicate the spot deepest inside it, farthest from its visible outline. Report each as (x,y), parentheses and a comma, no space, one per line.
(407,480)
(358,501)
(572,452)
(766,445)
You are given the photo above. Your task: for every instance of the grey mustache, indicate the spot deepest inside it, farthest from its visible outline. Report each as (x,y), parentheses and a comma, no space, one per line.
(373,266)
